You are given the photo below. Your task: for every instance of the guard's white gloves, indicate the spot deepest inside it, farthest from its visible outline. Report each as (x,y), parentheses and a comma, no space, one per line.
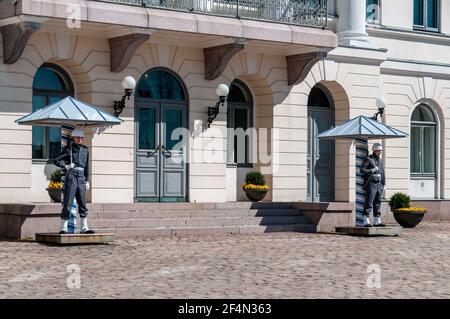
(375,169)
(72,165)
(87,186)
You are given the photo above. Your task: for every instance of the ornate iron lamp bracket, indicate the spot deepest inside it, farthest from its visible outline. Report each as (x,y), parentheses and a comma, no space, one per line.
(214,110)
(120,105)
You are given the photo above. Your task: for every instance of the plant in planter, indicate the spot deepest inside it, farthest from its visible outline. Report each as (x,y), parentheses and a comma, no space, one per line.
(255,186)
(405,215)
(54,188)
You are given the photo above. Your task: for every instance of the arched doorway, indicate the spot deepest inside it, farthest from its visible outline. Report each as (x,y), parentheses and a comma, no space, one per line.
(239,139)
(239,116)
(161,112)
(320,166)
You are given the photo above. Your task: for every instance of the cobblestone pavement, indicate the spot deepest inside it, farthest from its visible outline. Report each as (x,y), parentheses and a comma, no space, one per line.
(277,265)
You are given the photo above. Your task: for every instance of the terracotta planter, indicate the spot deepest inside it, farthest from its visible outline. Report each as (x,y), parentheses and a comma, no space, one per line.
(55,194)
(255,195)
(408,219)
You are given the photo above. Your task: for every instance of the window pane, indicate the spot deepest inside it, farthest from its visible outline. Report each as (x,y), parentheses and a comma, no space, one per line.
(241,145)
(432,14)
(418,12)
(54,133)
(38,132)
(54,141)
(38,138)
(429,149)
(318,98)
(236,94)
(159,84)
(372,10)
(48,79)
(422,113)
(415,149)
(174,120)
(146,129)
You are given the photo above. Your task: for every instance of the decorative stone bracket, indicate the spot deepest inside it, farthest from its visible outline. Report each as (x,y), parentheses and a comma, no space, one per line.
(217,58)
(299,65)
(15,38)
(123,48)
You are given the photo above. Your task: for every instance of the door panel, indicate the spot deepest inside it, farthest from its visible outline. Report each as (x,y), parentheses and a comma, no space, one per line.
(147,182)
(320,156)
(173,170)
(147,157)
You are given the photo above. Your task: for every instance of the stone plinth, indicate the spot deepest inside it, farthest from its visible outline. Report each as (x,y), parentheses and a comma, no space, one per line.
(75,239)
(370,231)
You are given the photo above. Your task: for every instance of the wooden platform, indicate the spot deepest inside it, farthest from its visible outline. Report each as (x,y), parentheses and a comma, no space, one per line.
(75,239)
(389,230)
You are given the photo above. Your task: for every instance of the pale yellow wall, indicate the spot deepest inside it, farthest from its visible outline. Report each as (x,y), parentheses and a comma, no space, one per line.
(15,141)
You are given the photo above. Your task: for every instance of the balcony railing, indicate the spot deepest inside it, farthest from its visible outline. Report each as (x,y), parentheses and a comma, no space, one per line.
(312,13)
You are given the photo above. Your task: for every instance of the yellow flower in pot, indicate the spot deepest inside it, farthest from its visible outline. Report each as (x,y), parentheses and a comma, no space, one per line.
(54,187)
(255,186)
(404,214)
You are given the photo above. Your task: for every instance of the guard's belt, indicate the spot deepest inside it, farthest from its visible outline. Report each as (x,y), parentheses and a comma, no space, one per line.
(79,168)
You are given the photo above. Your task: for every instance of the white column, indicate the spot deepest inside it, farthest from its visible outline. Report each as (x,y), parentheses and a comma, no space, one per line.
(351,24)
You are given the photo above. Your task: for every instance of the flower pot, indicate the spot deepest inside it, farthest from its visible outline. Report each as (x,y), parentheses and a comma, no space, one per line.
(408,219)
(255,195)
(55,194)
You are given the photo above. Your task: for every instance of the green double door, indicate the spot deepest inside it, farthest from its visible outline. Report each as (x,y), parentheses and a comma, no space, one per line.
(160,151)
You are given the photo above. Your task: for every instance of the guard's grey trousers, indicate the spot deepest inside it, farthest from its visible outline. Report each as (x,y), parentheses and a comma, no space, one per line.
(74,187)
(374,191)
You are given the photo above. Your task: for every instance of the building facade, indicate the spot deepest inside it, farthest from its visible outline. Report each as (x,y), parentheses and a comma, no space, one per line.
(294,68)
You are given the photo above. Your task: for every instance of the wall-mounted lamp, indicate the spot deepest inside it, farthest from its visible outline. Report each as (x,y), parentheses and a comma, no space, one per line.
(381,104)
(222,92)
(128,84)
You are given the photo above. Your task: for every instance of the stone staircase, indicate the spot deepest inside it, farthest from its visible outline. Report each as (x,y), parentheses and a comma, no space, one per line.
(169,219)
(199,219)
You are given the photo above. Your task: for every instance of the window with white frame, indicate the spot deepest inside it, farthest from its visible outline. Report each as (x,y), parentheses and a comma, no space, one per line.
(373,11)
(426,15)
(423,142)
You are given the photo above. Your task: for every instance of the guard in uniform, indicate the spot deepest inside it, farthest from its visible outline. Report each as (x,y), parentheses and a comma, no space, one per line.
(74,158)
(374,184)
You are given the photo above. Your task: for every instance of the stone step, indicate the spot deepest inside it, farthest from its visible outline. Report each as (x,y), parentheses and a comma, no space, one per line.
(195,231)
(196,222)
(54,209)
(194,213)
(184,206)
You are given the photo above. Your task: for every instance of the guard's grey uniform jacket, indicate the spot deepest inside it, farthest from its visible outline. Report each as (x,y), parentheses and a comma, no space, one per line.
(76,178)
(374,184)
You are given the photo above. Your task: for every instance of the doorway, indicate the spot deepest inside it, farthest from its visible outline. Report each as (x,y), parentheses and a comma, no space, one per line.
(320,158)
(161,113)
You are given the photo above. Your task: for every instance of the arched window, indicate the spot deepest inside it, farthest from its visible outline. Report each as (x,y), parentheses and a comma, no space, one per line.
(240,116)
(50,84)
(318,98)
(161,85)
(423,142)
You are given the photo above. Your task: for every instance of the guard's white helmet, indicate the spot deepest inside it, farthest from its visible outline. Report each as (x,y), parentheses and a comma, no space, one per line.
(377,147)
(78,132)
